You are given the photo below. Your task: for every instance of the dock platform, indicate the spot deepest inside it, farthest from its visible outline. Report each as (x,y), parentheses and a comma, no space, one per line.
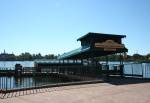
(89,93)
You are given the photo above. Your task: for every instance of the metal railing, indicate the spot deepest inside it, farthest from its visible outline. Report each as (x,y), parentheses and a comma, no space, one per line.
(53,76)
(30,78)
(137,70)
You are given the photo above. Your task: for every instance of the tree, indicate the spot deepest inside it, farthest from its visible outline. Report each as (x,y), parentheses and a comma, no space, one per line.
(49,56)
(137,57)
(25,56)
(147,57)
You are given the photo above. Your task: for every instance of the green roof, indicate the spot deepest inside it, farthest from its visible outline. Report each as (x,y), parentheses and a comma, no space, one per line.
(73,52)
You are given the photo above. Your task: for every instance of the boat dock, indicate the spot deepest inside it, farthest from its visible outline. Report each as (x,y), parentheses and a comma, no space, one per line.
(77,67)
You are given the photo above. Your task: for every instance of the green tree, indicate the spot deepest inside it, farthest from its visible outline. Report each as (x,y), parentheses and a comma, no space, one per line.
(49,56)
(137,57)
(25,56)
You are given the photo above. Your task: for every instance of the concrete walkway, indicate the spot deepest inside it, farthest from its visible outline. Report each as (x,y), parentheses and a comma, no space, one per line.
(91,93)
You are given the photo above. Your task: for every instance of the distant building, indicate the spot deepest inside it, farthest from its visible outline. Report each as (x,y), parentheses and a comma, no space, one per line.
(5,56)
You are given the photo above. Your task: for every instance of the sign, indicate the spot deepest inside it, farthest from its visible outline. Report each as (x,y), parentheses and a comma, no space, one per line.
(109,45)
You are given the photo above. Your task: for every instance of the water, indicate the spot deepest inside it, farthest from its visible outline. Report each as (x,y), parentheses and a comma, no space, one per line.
(11,64)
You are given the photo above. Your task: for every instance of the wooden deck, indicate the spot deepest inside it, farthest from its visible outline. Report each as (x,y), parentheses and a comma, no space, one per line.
(91,93)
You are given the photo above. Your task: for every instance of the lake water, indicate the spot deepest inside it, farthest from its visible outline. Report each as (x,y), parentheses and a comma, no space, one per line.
(11,64)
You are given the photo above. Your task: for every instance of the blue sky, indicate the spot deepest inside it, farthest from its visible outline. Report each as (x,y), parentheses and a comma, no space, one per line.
(52,26)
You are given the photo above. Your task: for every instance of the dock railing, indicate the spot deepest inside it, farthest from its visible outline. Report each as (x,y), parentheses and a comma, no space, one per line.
(29,78)
(140,70)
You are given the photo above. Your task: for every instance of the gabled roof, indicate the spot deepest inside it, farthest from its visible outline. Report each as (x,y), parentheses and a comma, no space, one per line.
(100,35)
(89,51)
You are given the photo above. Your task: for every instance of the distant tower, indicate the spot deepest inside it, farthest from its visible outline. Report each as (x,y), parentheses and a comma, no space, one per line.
(4,51)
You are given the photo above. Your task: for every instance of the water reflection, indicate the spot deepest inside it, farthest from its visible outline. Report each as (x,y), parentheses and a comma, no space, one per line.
(26,82)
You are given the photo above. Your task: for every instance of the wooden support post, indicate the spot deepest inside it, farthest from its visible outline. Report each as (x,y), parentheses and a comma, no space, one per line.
(121,65)
(107,68)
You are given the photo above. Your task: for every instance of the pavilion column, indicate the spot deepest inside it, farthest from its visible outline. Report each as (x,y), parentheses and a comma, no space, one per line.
(81,68)
(92,67)
(107,67)
(82,61)
(121,65)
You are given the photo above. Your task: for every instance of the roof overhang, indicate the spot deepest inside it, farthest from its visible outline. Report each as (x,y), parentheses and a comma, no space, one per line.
(100,35)
(95,45)
(90,53)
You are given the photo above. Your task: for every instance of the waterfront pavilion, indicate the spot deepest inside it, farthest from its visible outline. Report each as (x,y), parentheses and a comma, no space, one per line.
(83,60)
(96,45)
